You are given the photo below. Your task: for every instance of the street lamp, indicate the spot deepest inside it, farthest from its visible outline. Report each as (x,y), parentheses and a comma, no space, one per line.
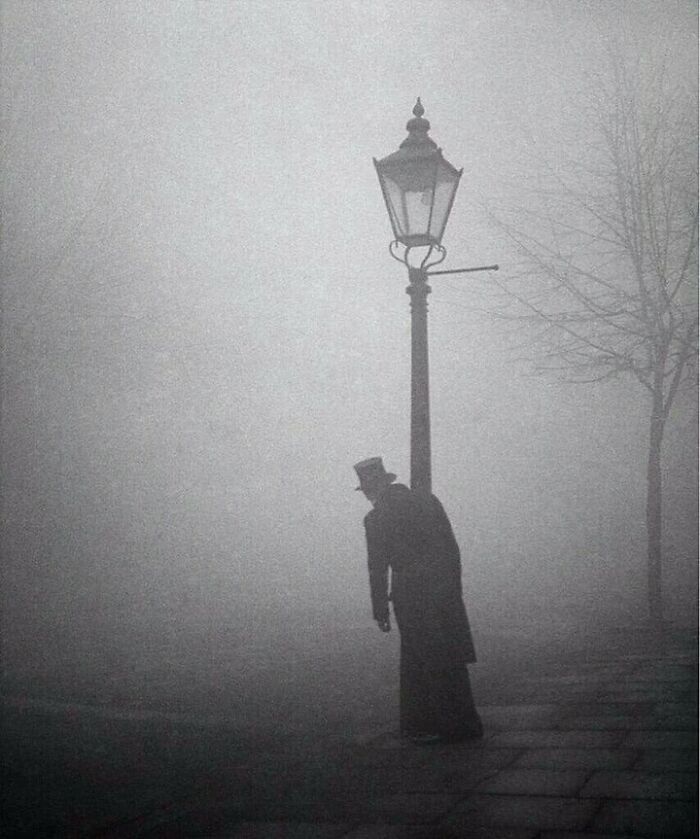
(419,188)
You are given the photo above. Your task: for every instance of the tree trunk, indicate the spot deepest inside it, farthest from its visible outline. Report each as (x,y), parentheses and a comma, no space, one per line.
(654,512)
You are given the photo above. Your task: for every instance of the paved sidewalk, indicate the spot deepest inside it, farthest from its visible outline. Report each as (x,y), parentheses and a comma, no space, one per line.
(602,746)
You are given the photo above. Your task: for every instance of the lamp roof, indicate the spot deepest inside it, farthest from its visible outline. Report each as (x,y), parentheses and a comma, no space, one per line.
(417,146)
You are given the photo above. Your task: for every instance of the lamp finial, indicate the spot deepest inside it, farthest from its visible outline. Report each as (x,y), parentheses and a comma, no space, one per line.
(418,128)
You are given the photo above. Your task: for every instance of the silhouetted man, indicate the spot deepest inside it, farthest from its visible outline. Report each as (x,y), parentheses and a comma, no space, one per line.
(408,532)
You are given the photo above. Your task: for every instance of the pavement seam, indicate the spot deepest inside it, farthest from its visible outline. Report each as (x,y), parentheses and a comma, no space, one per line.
(598,810)
(436,821)
(588,778)
(520,753)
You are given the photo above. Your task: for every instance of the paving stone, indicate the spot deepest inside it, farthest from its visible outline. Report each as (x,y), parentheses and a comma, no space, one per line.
(502,717)
(671,708)
(523,811)
(624,696)
(535,709)
(360,782)
(678,786)
(286,830)
(659,740)
(559,696)
(560,739)
(566,834)
(668,672)
(613,667)
(390,740)
(409,807)
(577,759)
(297,809)
(558,834)
(607,709)
(679,715)
(208,819)
(676,723)
(624,693)
(391,831)
(404,831)
(645,691)
(661,688)
(440,778)
(392,757)
(640,659)
(679,760)
(647,818)
(611,722)
(535,782)
(548,694)
(482,758)
(687,658)
(569,679)
(467,831)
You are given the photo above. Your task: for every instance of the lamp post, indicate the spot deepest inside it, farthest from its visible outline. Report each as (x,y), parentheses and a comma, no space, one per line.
(419,188)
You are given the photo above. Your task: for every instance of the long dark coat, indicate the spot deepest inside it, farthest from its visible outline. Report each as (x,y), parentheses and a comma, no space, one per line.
(409,535)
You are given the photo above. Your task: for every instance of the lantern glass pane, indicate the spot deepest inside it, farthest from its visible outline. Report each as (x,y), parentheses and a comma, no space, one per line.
(414,174)
(395,204)
(418,207)
(445,187)
(408,189)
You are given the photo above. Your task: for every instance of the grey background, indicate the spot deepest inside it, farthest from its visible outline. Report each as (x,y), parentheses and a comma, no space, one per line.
(203,330)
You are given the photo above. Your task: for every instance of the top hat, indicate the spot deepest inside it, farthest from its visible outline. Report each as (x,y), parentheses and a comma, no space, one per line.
(372,474)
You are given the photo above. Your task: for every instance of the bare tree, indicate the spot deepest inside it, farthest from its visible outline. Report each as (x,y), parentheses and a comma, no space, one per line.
(609,259)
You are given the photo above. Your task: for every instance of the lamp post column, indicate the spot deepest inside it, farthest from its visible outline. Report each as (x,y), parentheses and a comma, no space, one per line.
(420,386)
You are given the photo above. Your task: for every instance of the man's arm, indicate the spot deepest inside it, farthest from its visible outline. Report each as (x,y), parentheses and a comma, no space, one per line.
(378,567)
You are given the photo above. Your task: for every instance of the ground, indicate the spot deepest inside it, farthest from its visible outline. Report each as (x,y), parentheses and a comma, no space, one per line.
(594,737)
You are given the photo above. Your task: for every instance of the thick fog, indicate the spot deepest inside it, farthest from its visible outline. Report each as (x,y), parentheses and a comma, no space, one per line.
(203,329)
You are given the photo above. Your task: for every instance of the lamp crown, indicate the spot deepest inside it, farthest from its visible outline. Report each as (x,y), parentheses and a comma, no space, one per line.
(418,128)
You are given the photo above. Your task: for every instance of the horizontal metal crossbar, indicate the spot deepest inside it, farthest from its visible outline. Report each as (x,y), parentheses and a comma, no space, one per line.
(464,270)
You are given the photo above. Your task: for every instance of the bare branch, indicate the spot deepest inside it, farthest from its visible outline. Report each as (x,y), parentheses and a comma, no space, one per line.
(608,245)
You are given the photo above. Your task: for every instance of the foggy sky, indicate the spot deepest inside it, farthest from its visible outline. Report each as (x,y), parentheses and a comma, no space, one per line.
(203,329)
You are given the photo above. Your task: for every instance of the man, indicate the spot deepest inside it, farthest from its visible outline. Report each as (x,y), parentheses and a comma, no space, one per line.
(408,532)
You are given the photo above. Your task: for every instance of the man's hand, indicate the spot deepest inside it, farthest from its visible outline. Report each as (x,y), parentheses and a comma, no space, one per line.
(384,625)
